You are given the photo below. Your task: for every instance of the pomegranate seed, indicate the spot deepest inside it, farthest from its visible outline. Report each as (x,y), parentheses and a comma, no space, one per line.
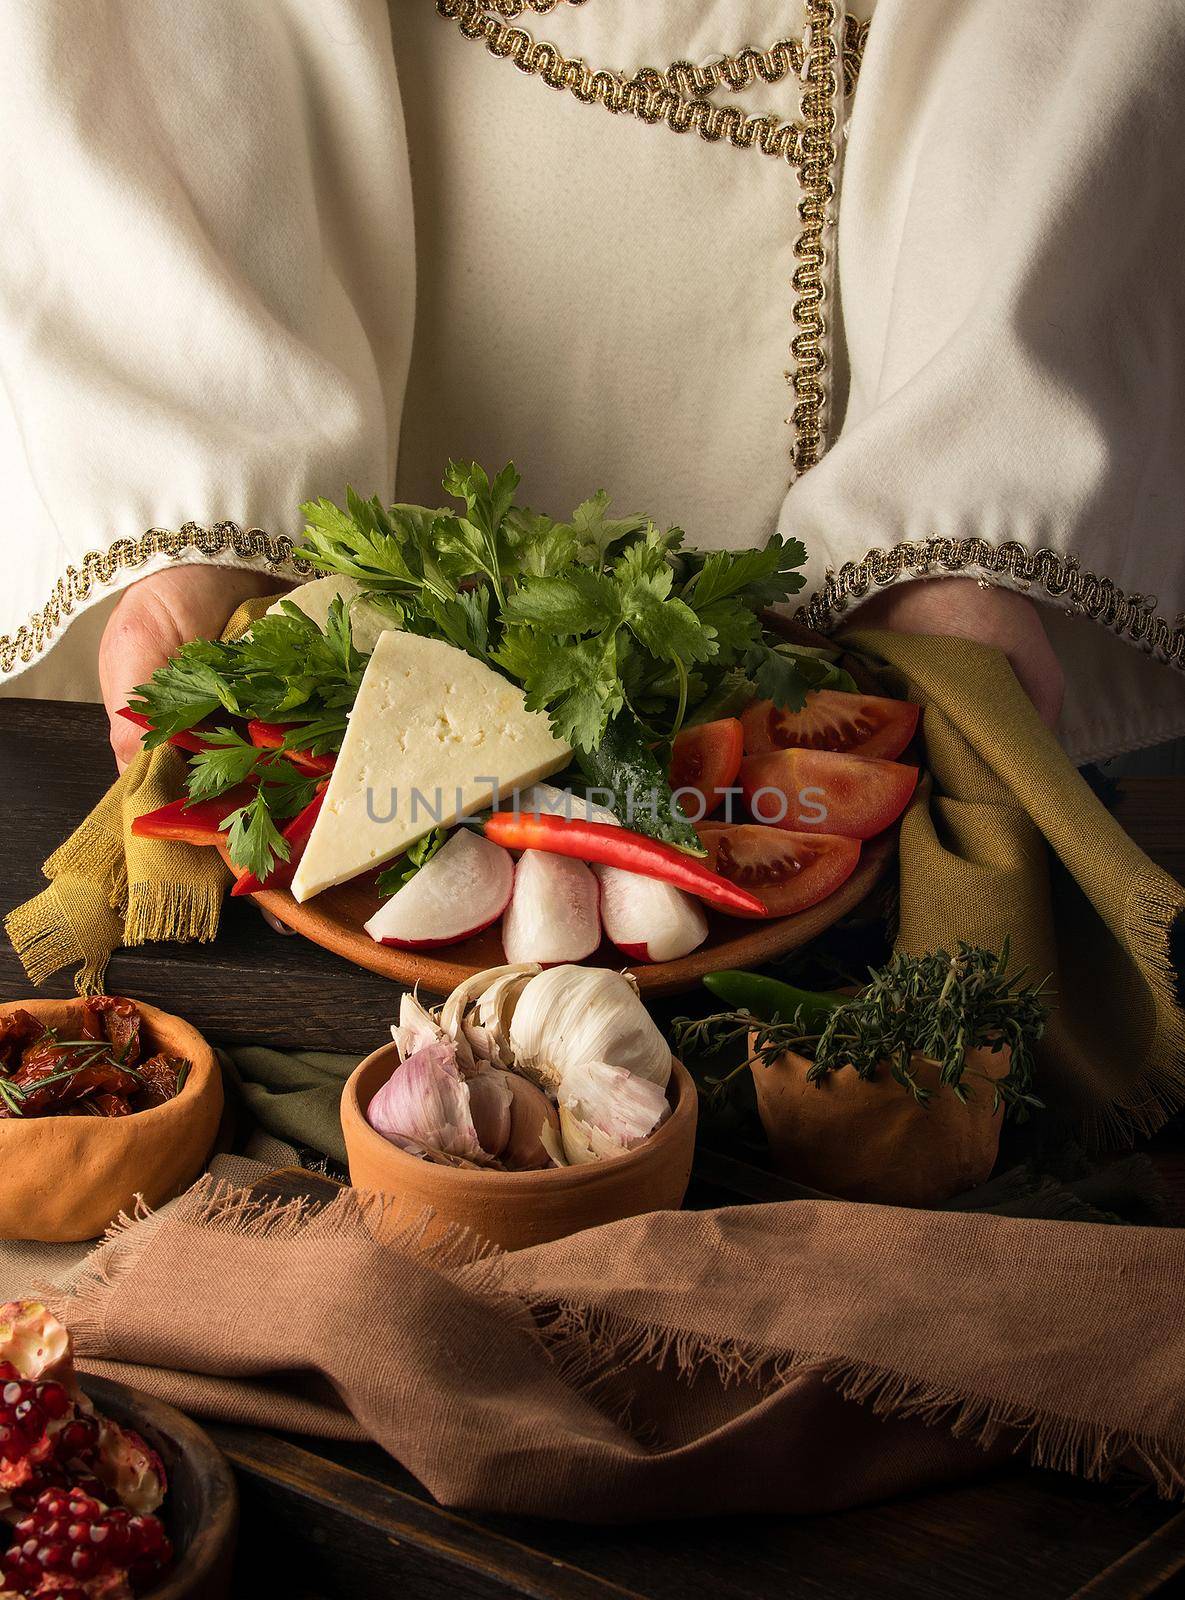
(12,1393)
(54,1399)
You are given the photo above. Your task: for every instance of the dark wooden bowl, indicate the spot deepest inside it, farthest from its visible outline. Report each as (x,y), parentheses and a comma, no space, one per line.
(201,1511)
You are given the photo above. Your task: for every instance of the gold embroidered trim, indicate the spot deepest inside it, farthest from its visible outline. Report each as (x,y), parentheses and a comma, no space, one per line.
(817,175)
(1133,616)
(650,95)
(855,37)
(515,8)
(101,567)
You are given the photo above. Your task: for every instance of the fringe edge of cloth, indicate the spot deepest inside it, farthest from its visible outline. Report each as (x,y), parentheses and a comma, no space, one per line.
(593,1350)
(173,912)
(45,940)
(1154,923)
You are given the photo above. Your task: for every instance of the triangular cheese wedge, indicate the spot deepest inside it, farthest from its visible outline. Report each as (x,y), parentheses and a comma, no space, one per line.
(315,597)
(434,736)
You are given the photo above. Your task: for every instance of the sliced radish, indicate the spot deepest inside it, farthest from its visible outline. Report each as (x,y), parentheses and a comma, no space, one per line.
(466,886)
(552,916)
(648,920)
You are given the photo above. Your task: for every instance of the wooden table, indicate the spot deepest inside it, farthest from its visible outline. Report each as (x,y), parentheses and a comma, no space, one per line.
(326,1520)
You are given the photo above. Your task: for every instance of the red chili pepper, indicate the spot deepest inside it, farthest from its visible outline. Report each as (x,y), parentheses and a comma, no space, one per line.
(271,735)
(619,847)
(297,834)
(188,739)
(194,821)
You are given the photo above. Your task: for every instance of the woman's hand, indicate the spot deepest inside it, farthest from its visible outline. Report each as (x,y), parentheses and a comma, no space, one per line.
(996,616)
(156,615)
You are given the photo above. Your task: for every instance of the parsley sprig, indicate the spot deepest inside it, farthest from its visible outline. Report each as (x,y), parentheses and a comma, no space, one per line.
(286,670)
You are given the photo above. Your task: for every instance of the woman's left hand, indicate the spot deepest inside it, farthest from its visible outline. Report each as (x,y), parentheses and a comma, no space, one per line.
(1000,617)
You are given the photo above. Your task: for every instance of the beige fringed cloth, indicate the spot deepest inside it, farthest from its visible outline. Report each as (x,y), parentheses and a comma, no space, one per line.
(677,1364)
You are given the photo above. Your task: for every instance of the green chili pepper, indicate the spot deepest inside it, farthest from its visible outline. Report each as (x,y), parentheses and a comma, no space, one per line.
(770,1000)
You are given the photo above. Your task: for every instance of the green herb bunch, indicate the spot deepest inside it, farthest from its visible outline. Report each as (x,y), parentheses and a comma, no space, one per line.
(938,1006)
(611,626)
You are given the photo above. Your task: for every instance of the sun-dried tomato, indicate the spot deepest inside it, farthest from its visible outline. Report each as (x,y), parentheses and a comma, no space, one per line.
(116,1019)
(86,1076)
(17,1030)
(159,1074)
(105,1105)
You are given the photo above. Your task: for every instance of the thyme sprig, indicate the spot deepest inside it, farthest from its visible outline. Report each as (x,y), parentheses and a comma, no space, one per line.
(937,1006)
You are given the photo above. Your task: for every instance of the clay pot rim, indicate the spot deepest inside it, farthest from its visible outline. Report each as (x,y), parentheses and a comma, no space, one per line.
(684,1109)
(201,1059)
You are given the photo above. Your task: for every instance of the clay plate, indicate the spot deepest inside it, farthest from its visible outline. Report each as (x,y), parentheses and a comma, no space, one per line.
(334,920)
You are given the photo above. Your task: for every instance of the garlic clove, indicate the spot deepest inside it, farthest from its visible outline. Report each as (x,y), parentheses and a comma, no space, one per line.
(490,1100)
(425,1101)
(482,1046)
(552,1141)
(496,1006)
(568,1015)
(472,989)
(416,1026)
(605,1111)
(532,1116)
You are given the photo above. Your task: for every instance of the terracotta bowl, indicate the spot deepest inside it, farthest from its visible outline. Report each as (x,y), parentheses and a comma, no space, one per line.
(201,1510)
(869,1139)
(66,1178)
(515,1209)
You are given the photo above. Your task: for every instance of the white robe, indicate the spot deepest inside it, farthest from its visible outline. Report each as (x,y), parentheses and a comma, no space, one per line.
(925,310)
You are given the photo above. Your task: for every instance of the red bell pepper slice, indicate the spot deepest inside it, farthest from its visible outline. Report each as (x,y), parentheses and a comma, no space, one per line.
(194,821)
(188,739)
(271,735)
(611,846)
(297,834)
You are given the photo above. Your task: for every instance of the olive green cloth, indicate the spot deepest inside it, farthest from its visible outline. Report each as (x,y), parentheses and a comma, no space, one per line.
(1010,841)
(108,889)
(293,1094)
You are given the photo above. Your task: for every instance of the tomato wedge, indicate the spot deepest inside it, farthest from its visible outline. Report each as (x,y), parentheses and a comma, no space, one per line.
(788,871)
(853,724)
(705,761)
(824,792)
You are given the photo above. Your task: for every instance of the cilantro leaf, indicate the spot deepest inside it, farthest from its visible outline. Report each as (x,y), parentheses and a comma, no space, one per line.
(577,686)
(595,533)
(623,765)
(229,759)
(762,577)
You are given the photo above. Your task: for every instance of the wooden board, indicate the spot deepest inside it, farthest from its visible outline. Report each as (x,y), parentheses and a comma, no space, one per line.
(323,1521)
(335,919)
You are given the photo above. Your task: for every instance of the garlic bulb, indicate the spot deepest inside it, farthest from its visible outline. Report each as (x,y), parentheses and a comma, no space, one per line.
(568,1015)
(424,1106)
(605,1111)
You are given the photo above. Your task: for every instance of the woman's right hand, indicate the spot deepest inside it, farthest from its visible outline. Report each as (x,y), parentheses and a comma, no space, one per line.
(153,618)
